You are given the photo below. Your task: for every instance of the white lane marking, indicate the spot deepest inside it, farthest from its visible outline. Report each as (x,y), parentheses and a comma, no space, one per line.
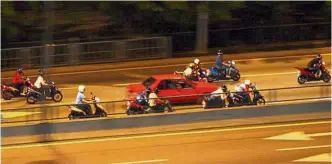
(147,161)
(301,148)
(297,136)
(162,66)
(163,135)
(16,114)
(285,102)
(325,157)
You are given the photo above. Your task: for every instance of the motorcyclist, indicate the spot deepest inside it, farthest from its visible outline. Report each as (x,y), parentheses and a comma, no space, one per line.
(41,84)
(18,80)
(244,90)
(197,68)
(189,71)
(314,65)
(152,99)
(220,94)
(220,64)
(142,98)
(81,101)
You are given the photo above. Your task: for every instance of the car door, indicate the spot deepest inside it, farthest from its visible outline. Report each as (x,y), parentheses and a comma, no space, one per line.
(187,89)
(168,88)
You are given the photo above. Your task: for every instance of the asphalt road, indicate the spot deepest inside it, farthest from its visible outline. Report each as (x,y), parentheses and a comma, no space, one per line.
(109,84)
(300,142)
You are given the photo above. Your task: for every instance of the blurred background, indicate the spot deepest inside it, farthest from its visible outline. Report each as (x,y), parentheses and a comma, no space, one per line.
(225,23)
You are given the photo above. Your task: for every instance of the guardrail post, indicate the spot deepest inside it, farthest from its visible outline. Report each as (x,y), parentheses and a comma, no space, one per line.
(272,95)
(167,46)
(74,50)
(120,52)
(25,57)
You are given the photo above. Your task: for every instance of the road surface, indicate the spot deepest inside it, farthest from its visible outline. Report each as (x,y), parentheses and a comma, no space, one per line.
(110,84)
(298,142)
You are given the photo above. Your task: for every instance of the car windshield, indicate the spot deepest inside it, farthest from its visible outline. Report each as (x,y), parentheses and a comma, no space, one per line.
(149,81)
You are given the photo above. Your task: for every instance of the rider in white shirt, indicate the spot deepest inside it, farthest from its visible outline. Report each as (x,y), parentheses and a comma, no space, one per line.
(189,71)
(41,85)
(243,89)
(220,94)
(152,99)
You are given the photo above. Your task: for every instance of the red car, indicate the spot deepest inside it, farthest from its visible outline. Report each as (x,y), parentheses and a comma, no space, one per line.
(173,85)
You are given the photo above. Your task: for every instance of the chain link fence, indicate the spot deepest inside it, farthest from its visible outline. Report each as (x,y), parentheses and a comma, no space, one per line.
(85,53)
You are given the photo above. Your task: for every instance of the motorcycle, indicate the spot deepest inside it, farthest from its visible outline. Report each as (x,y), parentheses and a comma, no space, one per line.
(305,75)
(213,74)
(238,100)
(198,75)
(76,112)
(33,95)
(134,107)
(213,102)
(9,91)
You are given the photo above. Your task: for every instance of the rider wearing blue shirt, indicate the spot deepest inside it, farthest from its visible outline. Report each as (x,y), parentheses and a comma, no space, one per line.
(81,101)
(220,63)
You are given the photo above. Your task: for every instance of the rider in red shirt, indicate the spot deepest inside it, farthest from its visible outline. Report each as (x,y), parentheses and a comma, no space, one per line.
(18,80)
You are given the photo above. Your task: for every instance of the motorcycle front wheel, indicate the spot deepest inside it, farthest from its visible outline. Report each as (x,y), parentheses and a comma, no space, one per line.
(260,101)
(236,76)
(326,78)
(57,97)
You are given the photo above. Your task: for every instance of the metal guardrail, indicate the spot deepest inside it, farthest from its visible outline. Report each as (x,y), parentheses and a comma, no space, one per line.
(85,53)
(54,112)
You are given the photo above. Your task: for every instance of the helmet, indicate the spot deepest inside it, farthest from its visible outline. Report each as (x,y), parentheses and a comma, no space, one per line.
(156,90)
(319,56)
(20,70)
(191,65)
(40,72)
(220,52)
(196,61)
(148,90)
(81,88)
(247,82)
(224,88)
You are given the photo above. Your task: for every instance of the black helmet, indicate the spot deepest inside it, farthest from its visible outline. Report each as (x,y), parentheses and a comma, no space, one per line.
(40,72)
(148,90)
(20,70)
(224,87)
(219,52)
(319,56)
(156,90)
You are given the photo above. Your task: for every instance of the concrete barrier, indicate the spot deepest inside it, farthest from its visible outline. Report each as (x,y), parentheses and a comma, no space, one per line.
(159,120)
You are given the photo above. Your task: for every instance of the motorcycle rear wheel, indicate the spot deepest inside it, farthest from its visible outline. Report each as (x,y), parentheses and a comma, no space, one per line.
(6,95)
(260,102)
(302,79)
(31,99)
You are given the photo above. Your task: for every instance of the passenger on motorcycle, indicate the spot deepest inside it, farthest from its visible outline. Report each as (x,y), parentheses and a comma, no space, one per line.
(81,101)
(142,98)
(152,100)
(18,80)
(220,64)
(243,90)
(314,65)
(189,71)
(197,69)
(41,84)
(220,94)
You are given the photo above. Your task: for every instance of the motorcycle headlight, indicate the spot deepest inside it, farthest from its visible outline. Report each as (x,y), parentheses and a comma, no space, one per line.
(233,62)
(323,63)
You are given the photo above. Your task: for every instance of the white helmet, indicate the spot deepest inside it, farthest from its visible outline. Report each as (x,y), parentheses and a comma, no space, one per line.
(81,88)
(196,61)
(247,82)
